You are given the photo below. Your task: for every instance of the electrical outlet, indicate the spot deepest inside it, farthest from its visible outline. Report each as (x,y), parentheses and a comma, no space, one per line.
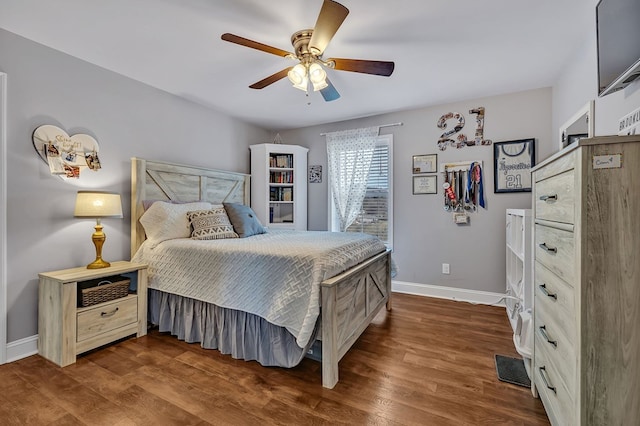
(445,268)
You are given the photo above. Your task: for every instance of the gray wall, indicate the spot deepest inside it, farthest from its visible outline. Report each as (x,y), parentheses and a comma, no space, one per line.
(424,234)
(128,119)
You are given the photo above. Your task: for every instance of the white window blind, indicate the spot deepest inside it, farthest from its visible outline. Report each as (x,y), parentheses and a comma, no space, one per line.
(375,214)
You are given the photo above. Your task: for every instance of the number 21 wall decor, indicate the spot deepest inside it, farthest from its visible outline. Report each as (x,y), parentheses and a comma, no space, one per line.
(461,140)
(512,163)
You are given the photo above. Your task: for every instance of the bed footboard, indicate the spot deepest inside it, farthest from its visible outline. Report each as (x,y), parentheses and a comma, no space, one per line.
(350,301)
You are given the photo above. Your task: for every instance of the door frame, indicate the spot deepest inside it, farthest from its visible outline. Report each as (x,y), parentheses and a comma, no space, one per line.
(3,218)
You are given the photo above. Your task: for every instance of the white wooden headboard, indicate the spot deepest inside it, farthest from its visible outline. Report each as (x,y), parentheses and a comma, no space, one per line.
(156,180)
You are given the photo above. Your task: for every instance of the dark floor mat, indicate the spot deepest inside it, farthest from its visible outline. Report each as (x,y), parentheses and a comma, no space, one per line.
(512,370)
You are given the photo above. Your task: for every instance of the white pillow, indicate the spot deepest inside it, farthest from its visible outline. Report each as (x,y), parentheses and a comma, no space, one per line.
(165,221)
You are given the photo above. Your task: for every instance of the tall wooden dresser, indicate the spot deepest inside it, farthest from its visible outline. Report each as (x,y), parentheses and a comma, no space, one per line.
(586,211)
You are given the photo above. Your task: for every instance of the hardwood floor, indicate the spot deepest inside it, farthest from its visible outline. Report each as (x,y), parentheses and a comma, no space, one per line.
(427,362)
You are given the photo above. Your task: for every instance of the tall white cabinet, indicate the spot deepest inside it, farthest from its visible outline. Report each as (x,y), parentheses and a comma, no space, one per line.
(519,301)
(279,185)
(587,282)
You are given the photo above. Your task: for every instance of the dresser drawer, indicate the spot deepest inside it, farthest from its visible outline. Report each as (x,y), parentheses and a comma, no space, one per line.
(556,297)
(104,317)
(551,338)
(555,198)
(554,248)
(559,165)
(558,401)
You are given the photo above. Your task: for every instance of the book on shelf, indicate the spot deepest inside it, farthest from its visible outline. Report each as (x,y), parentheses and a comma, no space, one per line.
(281,160)
(279,193)
(281,177)
(287,194)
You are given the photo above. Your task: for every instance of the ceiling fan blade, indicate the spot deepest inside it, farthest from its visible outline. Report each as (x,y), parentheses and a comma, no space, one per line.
(329,93)
(271,79)
(254,45)
(384,68)
(329,20)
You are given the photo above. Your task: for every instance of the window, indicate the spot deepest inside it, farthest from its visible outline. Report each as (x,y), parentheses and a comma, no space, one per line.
(375,216)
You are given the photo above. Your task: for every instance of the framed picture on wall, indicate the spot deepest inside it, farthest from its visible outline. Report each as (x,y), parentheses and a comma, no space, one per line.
(315,174)
(425,184)
(512,163)
(425,163)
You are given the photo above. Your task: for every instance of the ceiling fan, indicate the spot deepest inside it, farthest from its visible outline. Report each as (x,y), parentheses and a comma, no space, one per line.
(309,45)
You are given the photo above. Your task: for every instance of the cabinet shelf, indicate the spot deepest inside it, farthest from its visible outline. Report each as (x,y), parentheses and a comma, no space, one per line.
(278,185)
(101,304)
(519,288)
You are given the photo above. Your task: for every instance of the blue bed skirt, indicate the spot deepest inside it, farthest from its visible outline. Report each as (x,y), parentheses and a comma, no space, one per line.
(236,333)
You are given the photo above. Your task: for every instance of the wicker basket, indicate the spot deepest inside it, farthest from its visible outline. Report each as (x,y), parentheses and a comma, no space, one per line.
(103,290)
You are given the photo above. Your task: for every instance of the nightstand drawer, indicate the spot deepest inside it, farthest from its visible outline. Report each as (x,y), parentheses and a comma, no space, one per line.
(107,316)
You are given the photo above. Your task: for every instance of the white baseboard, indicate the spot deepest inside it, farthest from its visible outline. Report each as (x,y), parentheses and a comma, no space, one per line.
(22,348)
(451,293)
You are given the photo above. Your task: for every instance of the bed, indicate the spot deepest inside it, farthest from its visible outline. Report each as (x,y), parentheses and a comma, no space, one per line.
(347,301)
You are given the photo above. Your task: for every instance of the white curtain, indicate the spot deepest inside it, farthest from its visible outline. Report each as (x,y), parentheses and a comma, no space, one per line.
(349,155)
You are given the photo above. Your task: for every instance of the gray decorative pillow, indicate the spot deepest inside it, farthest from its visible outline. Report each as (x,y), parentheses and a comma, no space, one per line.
(244,220)
(210,224)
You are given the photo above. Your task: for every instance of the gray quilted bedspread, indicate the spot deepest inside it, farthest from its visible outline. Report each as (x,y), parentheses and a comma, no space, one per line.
(276,275)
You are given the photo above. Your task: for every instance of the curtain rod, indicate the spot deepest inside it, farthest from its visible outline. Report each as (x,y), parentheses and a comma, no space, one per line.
(400,123)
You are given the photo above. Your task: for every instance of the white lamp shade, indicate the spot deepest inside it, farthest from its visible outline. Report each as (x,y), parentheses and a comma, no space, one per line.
(97,204)
(318,76)
(298,77)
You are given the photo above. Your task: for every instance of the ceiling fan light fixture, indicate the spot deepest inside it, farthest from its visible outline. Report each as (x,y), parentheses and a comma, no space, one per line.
(298,77)
(318,76)
(309,46)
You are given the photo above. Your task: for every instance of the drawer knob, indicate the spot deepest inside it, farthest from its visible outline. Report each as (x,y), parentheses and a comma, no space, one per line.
(543,331)
(549,198)
(543,289)
(543,374)
(109,314)
(546,248)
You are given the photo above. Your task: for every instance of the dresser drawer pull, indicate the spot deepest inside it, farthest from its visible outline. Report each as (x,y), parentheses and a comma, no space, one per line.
(543,331)
(543,289)
(548,198)
(543,374)
(545,247)
(109,314)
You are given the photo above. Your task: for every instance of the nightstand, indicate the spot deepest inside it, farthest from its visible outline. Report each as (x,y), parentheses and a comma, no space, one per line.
(66,330)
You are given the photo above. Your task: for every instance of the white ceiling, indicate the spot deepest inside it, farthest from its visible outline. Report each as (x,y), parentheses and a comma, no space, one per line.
(444,50)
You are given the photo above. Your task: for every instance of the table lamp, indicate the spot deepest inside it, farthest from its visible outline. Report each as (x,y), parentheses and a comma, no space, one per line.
(98,204)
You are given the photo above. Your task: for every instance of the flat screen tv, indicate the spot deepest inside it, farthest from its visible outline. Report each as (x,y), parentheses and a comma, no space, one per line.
(618,37)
